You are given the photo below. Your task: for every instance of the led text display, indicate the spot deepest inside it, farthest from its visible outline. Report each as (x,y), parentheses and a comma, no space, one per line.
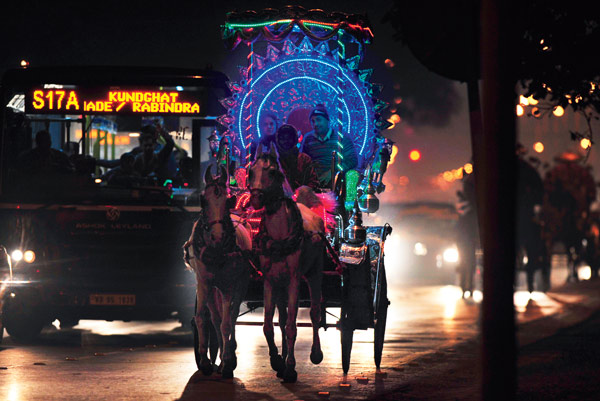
(86,101)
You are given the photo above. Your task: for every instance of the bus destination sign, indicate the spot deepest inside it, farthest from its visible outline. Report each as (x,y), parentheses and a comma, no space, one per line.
(57,100)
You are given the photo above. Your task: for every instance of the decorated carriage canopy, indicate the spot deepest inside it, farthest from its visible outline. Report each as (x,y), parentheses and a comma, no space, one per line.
(299,58)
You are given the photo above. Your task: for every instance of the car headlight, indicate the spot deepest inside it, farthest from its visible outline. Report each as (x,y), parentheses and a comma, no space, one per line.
(450,255)
(420,249)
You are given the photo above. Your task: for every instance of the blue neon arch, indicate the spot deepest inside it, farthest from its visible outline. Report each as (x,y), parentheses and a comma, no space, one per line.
(267,83)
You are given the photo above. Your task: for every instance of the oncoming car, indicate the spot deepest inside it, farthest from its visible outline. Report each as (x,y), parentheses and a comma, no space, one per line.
(424,242)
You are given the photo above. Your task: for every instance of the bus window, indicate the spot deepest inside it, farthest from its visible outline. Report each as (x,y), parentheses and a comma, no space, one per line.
(137,136)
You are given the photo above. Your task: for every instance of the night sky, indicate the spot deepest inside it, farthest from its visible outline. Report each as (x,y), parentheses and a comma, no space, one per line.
(187,34)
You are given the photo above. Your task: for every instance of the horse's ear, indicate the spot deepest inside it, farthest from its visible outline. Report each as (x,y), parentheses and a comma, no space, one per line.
(222,174)
(208,178)
(259,151)
(231,202)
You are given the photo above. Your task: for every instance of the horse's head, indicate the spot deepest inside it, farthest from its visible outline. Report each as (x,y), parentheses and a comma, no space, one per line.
(265,177)
(216,205)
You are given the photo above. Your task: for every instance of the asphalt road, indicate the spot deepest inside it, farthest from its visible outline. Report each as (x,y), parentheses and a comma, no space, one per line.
(155,361)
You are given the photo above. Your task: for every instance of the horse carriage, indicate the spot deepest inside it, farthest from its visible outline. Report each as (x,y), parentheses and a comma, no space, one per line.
(251,224)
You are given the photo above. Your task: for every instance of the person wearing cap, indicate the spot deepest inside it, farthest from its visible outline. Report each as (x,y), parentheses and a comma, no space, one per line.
(322,141)
(268,128)
(297,166)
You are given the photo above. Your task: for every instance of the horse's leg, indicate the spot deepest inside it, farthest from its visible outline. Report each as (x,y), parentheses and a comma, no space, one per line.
(276,361)
(315,280)
(231,309)
(201,301)
(226,328)
(282,309)
(216,314)
(290,375)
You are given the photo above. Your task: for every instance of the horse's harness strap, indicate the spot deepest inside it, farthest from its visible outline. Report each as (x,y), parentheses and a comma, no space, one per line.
(278,249)
(214,222)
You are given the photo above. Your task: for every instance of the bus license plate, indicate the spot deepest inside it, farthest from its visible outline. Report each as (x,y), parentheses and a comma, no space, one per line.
(112,299)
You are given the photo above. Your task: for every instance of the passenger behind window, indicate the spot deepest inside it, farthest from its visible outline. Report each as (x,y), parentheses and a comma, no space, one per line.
(152,163)
(123,175)
(43,159)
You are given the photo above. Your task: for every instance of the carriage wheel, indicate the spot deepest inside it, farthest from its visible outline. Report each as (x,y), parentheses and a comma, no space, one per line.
(346,336)
(381,315)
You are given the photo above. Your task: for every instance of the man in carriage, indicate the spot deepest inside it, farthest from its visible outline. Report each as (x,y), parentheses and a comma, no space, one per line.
(322,141)
(297,166)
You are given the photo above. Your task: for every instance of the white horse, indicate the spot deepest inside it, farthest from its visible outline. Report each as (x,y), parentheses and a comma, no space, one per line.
(217,252)
(291,248)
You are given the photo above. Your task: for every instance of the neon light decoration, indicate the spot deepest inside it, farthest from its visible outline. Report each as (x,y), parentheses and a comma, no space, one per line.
(290,78)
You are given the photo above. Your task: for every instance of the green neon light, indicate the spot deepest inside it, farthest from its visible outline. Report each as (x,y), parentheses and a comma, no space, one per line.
(319,25)
(281,21)
(351,189)
(257,25)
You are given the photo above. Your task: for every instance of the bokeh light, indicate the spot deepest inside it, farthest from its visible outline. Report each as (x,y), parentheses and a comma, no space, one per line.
(414,155)
(520,110)
(585,143)
(558,111)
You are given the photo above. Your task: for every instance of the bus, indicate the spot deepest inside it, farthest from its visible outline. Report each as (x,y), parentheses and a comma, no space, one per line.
(80,244)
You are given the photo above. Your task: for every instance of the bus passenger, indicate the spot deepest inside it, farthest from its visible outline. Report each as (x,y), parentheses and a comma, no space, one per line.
(150,162)
(322,141)
(124,174)
(43,158)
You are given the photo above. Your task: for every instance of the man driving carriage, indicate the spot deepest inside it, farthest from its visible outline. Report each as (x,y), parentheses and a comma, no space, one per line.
(297,166)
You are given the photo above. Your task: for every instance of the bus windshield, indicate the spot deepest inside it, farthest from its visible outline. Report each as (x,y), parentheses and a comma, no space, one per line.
(102,135)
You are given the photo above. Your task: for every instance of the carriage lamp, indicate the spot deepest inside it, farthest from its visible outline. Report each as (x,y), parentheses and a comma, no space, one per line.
(367,201)
(355,232)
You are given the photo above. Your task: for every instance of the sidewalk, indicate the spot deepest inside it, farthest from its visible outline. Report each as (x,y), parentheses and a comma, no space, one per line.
(558,356)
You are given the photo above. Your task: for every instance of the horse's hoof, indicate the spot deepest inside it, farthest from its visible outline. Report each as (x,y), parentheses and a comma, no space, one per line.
(277,363)
(206,367)
(218,368)
(233,363)
(316,356)
(290,375)
(227,374)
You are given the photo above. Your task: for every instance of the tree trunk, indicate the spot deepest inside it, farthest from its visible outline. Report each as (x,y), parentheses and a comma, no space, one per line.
(496,187)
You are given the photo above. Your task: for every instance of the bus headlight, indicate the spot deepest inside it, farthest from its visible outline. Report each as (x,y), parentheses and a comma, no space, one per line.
(16,255)
(29,256)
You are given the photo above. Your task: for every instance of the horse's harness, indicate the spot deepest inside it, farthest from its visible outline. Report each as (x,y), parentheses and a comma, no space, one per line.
(215,255)
(277,250)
